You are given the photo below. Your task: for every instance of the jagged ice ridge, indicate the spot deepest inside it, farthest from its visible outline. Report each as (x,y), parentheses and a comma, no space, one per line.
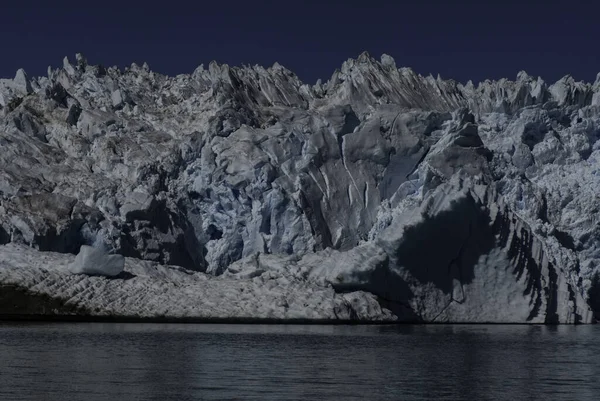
(394,196)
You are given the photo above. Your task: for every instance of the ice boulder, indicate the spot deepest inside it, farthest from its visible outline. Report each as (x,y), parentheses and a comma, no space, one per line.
(95,261)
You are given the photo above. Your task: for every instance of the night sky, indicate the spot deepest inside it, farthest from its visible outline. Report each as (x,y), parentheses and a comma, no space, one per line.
(458,39)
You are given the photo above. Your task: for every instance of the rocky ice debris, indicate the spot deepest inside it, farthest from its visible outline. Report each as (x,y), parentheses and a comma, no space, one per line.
(445,202)
(138,206)
(119,98)
(97,262)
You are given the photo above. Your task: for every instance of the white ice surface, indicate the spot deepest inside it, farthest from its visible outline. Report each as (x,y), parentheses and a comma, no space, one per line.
(95,261)
(150,290)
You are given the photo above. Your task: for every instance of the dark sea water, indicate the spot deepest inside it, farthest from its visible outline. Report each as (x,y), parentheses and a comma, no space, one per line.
(98,361)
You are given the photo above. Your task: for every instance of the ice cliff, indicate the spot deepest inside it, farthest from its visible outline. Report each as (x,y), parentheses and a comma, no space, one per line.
(378,195)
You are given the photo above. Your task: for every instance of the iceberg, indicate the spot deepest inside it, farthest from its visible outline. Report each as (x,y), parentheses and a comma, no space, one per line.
(95,261)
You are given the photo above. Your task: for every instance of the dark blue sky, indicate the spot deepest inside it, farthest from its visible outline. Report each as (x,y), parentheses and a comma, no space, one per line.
(458,39)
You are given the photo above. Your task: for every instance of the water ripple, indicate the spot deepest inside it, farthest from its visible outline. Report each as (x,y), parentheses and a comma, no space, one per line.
(109,362)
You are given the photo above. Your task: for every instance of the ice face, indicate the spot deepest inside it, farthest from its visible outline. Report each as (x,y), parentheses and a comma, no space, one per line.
(231,168)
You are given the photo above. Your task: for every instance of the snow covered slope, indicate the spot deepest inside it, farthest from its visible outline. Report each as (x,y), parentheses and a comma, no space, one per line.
(447,202)
(149,290)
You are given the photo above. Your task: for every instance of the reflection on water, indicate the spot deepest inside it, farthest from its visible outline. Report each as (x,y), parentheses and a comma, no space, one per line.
(226,362)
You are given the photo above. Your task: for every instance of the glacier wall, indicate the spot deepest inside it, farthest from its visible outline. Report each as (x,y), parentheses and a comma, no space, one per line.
(449,202)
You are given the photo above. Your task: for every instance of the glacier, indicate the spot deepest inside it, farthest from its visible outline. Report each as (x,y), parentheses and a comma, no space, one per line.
(244,193)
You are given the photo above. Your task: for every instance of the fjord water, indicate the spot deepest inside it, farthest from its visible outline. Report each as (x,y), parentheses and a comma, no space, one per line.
(100,361)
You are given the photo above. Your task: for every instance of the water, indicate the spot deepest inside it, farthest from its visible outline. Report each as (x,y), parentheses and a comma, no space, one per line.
(231,362)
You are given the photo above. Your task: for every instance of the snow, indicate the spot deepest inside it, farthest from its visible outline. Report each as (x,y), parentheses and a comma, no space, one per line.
(149,290)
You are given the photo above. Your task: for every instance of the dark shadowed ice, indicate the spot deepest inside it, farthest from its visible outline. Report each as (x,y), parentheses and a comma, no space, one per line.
(231,362)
